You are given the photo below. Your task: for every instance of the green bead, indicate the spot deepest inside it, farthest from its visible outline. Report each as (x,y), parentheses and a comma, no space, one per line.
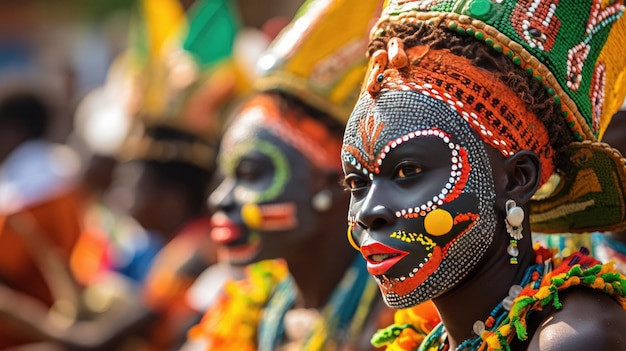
(557,100)
(489,41)
(460,30)
(565,114)
(529,71)
(498,48)
(570,124)
(577,136)
(479,9)
(551,92)
(517,60)
(539,78)
(452,25)
(479,35)
(470,31)
(510,54)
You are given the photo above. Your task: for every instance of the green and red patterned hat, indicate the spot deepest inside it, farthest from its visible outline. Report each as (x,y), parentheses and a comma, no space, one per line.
(574,48)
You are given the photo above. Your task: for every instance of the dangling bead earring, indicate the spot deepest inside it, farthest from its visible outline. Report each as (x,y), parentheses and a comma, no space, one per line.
(322,201)
(514,219)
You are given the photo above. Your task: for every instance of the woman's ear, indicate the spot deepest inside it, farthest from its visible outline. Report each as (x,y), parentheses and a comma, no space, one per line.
(328,180)
(328,190)
(523,171)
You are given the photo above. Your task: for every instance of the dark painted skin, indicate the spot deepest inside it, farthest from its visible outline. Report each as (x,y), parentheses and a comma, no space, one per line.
(589,320)
(450,214)
(254,173)
(406,169)
(315,248)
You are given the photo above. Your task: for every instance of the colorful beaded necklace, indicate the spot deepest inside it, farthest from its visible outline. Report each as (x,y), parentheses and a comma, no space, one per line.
(231,322)
(539,288)
(342,317)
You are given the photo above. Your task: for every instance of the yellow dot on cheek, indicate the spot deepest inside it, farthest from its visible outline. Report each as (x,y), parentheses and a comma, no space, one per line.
(251,215)
(438,222)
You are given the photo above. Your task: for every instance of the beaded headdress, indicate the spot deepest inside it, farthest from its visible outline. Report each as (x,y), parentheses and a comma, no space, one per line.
(572,47)
(319,57)
(184,73)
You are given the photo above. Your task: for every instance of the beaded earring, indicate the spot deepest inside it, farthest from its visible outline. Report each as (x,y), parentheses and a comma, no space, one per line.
(514,219)
(322,201)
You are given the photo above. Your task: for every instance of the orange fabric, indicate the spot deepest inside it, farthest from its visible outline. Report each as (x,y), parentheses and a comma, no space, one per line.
(90,256)
(59,220)
(166,286)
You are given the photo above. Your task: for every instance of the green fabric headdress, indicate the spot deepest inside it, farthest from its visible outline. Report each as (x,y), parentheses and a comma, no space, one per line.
(575,49)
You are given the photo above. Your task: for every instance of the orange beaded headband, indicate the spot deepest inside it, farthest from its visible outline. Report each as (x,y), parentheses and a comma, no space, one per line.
(495,112)
(307,135)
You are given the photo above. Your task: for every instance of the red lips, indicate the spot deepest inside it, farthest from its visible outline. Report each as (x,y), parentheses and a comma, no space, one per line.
(224,231)
(392,256)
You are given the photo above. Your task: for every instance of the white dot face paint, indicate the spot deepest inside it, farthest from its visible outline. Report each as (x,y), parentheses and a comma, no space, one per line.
(437,194)
(263,202)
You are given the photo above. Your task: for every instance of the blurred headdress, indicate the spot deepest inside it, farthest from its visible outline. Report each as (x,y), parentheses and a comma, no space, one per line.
(319,57)
(573,48)
(184,74)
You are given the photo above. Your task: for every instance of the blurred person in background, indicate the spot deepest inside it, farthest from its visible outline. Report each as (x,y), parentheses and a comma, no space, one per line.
(181,91)
(190,81)
(279,207)
(44,304)
(40,208)
(112,240)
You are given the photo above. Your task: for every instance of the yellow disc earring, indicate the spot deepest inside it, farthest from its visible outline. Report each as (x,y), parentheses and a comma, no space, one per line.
(351,238)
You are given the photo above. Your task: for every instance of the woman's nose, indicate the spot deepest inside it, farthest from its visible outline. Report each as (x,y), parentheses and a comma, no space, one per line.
(375,211)
(222,197)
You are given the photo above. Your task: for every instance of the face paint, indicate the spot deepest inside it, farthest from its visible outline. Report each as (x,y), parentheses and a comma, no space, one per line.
(262,207)
(269,189)
(422,203)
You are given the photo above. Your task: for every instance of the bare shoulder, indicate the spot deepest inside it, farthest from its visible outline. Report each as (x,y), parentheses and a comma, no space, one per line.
(588,320)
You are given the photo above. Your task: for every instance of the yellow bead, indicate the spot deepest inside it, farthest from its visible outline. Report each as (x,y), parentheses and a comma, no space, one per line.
(251,215)
(438,222)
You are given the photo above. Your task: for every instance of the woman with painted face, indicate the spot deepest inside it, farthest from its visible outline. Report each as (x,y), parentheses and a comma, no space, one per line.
(280,208)
(466,110)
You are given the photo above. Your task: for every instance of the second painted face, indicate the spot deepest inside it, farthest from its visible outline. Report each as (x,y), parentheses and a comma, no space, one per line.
(422,194)
(263,206)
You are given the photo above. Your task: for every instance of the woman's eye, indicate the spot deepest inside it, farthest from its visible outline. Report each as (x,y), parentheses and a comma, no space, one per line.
(406,171)
(246,171)
(352,182)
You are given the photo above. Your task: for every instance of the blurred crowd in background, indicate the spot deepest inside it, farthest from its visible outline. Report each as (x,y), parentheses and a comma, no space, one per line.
(111,117)
(105,165)
(69,45)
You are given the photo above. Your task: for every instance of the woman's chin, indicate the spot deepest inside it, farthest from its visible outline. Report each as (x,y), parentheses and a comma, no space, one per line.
(239,255)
